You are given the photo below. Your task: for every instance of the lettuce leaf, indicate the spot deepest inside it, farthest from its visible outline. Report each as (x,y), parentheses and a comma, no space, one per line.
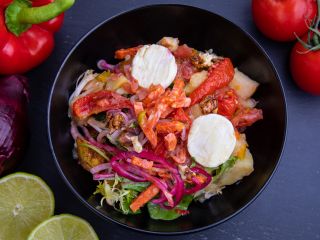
(158,213)
(136,186)
(224,167)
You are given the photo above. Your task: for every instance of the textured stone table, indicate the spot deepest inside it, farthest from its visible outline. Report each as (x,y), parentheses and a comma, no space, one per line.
(289,208)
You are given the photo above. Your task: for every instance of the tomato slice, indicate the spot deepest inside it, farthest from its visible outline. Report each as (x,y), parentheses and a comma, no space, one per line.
(97,102)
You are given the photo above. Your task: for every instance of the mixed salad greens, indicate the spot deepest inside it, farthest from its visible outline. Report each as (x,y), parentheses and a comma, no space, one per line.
(163,127)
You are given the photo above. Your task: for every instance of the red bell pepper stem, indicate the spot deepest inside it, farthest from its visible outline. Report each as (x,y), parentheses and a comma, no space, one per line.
(20,15)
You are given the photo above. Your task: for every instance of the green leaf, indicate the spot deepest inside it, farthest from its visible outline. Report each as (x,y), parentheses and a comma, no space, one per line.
(136,186)
(125,201)
(224,167)
(158,213)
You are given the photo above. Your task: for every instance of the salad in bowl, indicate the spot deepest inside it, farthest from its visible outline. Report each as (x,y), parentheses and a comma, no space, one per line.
(163,127)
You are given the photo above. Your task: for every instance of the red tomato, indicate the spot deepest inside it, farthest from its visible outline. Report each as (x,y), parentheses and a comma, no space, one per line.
(305,68)
(279,19)
(227,102)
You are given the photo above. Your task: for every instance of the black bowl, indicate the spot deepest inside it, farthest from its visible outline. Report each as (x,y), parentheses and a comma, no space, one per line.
(202,30)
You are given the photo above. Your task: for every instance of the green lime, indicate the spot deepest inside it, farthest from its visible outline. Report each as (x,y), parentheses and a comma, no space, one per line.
(25,201)
(64,226)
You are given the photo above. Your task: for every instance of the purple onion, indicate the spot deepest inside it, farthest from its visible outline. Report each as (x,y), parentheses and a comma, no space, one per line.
(74,131)
(103,65)
(103,176)
(100,167)
(197,187)
(13,120)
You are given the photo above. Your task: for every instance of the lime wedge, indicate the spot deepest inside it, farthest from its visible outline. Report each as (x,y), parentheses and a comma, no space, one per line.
(64,226)
(25,201)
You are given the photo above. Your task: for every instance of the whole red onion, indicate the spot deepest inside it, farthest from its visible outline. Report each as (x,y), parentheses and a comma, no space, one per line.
(13,120)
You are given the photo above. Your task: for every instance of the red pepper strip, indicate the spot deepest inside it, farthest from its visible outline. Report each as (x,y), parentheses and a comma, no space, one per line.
(23,45)
(180,115)
(98,102)
(169,127)
(123,52)
(219,76)
(246,117)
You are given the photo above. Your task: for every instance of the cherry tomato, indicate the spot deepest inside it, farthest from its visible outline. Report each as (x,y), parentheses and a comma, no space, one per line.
(280,19)
(227,102)
(305,68)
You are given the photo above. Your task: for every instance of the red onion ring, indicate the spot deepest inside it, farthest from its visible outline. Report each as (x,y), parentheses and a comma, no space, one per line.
(103,65)
(103,176)
(100,168)
(197,186)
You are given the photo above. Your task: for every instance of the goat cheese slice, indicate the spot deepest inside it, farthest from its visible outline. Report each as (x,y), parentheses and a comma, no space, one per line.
(154,64)
(211,140)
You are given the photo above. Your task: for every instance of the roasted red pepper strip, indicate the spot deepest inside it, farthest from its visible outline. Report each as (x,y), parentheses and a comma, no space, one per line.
(27,32)
(169,127)
(123,52)
(246,117)
(219,76)
(98,102)
(180,115)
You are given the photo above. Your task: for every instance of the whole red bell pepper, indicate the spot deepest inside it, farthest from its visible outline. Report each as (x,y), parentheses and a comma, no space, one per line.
(26,32)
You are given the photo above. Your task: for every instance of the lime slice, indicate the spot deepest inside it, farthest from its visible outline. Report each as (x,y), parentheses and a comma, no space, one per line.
(25,201)
(64,226)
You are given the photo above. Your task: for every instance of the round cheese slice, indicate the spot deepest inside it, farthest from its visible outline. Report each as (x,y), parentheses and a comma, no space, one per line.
(154,64)
(211,140)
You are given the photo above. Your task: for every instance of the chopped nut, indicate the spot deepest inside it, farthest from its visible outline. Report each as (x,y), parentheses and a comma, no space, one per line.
(209,105)
(114,122)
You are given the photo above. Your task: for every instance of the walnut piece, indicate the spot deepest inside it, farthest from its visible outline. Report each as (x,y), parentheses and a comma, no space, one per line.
(209,105)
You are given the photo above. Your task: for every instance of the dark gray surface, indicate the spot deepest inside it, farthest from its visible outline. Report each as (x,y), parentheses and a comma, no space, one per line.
(289,207)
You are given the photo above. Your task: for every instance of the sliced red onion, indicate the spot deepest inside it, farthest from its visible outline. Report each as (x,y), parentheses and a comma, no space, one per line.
(87,134)
(120,169)
(102,134)
(115,134)
(133,98)
(96,125)
(103,176)
(74,131)
(113,111)
(136,174)
(99,168)
(184,134)
(103,65)
(197,187)
(106,147)
(125,117)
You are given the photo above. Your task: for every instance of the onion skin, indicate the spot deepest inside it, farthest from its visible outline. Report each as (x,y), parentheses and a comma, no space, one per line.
(13,121)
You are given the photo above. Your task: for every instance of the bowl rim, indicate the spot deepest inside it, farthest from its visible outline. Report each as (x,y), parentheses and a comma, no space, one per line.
(93,29)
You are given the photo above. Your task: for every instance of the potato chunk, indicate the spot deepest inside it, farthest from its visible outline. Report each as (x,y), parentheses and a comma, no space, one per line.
(88,158)
(243,85)
(242,167)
